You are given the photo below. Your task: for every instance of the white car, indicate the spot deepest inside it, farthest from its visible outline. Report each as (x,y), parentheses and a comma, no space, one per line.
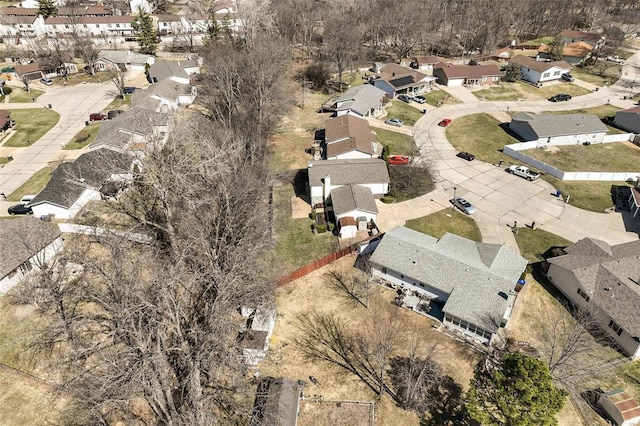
(394,122)
(464,205)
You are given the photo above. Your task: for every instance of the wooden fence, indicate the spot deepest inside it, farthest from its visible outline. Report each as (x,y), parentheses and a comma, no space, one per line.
(310,267)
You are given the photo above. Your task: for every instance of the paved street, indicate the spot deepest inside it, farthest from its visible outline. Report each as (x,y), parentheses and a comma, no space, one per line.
(502,198)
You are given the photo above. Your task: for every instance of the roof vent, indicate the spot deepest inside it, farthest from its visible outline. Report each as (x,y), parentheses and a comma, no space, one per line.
(414,262)
(607,289)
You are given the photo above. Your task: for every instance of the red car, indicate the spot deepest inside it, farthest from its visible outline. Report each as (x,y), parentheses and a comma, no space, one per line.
(97,116)
(398,160)
(445,122)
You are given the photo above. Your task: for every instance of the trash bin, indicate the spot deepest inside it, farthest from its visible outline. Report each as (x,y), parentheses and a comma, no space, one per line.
(424,111)
(558,193)
(49,105)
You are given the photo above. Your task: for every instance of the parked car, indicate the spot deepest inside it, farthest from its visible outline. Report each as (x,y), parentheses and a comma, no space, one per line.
(567,77)
(615,59)
(46,81)
(464,205)
(405,98)
(420,99)
(19,209)
(97,116)
(398,160)
(128,90)
(445,122)
(114,113)
(466,156)
(26,199)
(560,97)
(394,122)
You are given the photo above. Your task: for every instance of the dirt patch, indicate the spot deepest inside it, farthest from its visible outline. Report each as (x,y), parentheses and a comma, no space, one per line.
(330,413)
(299,208)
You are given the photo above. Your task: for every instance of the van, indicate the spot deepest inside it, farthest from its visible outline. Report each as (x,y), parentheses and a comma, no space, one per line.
(26,199)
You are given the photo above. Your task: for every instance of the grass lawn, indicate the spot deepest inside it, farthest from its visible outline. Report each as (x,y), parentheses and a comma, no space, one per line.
(405,112)
(538,41)
(609,157)
(31,125)
(84,137)
(35,184)
(4,160)
(119,103)
(83,77)
(611,75)
(485,141)
(306,117)
(288,150)
(533,243)
(407,182)
(434,96)
(447,220)
(592,196)
(600,110)
(19,95)
(518,90)
(296,245)
(398,143)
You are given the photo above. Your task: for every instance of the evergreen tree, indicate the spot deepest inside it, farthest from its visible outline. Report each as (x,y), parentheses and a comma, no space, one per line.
(555,49)
(47,8)
(145,32)
(519,392)
(512,73)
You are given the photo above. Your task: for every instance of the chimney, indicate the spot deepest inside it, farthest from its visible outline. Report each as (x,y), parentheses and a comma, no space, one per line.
(327,186)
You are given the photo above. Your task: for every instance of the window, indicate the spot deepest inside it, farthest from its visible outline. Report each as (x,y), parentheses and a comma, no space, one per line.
(401,276)
(117,25)
(384,270)
(110,25)
(556,73)
(12,273)
(455,321)
(26,267)
(615,327)
(97,25)
(85,25)
(546,74)
(66,26)
(584,295)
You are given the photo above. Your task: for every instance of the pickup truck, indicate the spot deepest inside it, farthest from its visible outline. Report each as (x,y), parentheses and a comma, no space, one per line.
(523,172)
(615,59)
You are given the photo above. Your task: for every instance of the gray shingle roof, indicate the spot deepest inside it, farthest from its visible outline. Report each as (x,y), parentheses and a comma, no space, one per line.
(345,172)
(124,56)
(164,69)
(352,197)
(477,276)
(540,66)
(610,275)
(550,125)
(21,239)
(361,99)
(136,120)
(91,169)
(169,89)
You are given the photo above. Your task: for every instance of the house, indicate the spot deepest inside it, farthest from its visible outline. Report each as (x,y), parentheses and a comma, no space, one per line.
(16,27)
(137,125)
(363,101)
(472,284)
(169,24)
(327,175)
(353,207)
(110,26)
(621,407)
(254,339)
(572,53)
(425,63)
(628,119)
(6,122)
(27,245)
(606,280)
(572,36)
(122,59)
(566,129)
(28,72)
(277,402)
(466,75)
(395,79)
(349,137)
(168,94)
(178,71)
(539,71)
(74,184)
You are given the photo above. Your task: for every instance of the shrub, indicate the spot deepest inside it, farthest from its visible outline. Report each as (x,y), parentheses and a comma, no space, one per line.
(322,229)
(7,90)
(82,136)
(313,215)
(387,199)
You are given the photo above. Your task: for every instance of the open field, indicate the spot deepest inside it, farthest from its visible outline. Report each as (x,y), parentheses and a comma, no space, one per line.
(609,157)
(19,95)
(311,293)
(31,125)
(439,223)
(35,184)
(518,90)
(398,143)
(405,112)
(84,137)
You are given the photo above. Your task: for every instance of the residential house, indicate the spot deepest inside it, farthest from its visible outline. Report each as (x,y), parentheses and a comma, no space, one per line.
(140,5)
(349,137)
(122,59)
(395,79)
(74,184)
(164,96)
(277,402)
(572,53)
(466,75)
(178,71)
(14,28)
(28,72)
(472,284)
(628,119)
(353,207)
(425,63)
(604,279)
(572,36)
(132,130)
(363,101)
(553,129)
(6,122)
(254,339)
(621,407)
(27,245)
(539,71)
(169,24)
(327,175)
(111,26)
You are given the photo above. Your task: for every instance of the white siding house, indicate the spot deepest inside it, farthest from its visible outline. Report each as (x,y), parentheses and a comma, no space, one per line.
(554,129)
(540,71)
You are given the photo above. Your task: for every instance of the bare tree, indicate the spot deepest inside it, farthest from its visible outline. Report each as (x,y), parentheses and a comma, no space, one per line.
(356,288)
(117,77)
(86,49)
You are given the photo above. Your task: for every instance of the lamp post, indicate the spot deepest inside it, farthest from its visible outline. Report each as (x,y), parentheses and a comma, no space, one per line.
(453,206)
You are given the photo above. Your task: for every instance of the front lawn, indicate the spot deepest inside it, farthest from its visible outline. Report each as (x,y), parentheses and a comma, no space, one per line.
(405,112)
(482,135)
(84,137)
(591,75)
(601,111)
(434,97)
(439,223)
(519,90)
(533,243)
(408,182)
(31,125)
(398,143)
(119,103)
(609,157)
(19,95)
(594,196)
(35,184)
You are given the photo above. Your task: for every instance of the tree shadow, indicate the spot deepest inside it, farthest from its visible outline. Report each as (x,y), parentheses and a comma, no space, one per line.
(448,408)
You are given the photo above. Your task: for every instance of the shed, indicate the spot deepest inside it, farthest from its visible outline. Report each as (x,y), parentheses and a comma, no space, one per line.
(622,407)
(276,403)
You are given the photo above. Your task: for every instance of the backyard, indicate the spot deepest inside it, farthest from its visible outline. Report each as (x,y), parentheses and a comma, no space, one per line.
(594,196)
(31,125)
(519,90)
(609,157)
(439,223)
(591,75)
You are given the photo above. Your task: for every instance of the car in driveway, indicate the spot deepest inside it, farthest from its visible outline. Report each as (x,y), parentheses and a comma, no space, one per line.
(128,90)
(19,209)
(394,122)
(46,81)
(398,160)
(560,97)
(567,77)
(405,98)
(445,122)
(97,116)
(419,99)
(466,156)
(464,205)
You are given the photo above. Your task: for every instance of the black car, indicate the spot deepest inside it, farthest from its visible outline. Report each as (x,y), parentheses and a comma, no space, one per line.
(561,97)
(19,209)
(466,156)
(128,90)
